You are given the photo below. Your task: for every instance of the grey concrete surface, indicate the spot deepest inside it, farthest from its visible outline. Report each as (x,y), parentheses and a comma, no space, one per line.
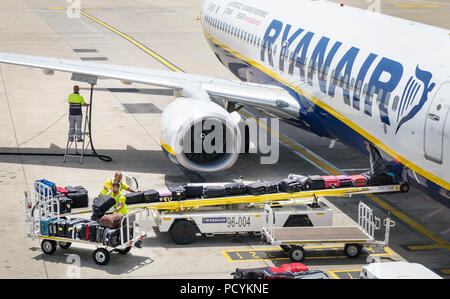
(32,118)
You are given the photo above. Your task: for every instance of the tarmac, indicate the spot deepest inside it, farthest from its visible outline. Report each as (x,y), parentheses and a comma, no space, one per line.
(33,119)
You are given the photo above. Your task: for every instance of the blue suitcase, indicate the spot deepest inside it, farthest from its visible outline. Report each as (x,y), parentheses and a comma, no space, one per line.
(49,184)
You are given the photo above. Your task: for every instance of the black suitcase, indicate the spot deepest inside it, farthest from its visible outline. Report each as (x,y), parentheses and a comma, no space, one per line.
(111,237)
(151,196)
(386,179)
(372,179)
(102,204)
(71,223)
(53,227)
(304,181)
(178,193)
(65,205)
(236,188)
(89,231)
(134,198)
(256,188)
(290,186)
(317,182)
(255,273)
(61,228)
(271,187)
(214,191)
(99,234)
(79,196)
(193,191)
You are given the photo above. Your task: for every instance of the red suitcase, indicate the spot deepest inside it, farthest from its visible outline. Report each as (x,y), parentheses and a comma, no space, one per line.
(359,180)
(62,190)
(331,181)
(286,271)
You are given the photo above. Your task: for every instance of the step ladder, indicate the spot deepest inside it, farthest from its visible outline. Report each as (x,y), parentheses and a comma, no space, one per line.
(72,146)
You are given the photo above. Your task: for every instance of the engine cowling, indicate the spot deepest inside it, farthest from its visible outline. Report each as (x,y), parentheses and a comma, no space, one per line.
(200,135)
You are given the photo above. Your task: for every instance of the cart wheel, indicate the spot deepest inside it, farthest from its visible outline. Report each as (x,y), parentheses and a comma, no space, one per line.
(404,187)
(296,254)
(183,232)
(352,250)
(124,251)
(64,245)
(48,246)
(285,248)
(101,256)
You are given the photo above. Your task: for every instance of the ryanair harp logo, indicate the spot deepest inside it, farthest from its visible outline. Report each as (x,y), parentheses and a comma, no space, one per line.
(410,104)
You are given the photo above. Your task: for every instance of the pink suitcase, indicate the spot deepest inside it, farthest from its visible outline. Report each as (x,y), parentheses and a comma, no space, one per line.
(165,195)
(331,181)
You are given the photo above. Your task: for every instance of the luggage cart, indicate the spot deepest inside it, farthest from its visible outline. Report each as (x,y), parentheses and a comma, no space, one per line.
(137,219)
(293,239)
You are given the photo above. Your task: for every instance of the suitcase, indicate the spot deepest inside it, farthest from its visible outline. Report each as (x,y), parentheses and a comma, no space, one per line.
(359,180)
(178,193)
(386,178)
(61,228)
(345,181)
(214,191)
(61,190)
(309,274)
(255,273)
(53,227)
(165,195)
(111,220)
(236,188)
(89,231)
(44,225)
(305,181)
(316,182)
(193,191)
(289,186)
(331,181)
(71,223)
(151,196)
(256,188)
(372,179)
(76,231)
(134,198)
(111,237)
(65,205)
(284,269)
(99,234)
(102,204)
(271,187)
(49,184)
(79,196)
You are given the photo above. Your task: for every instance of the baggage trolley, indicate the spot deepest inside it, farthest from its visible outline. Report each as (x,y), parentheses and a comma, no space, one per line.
(292,239)
(137,219)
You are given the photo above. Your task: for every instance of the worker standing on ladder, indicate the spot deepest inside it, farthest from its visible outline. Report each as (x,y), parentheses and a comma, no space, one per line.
(76,101)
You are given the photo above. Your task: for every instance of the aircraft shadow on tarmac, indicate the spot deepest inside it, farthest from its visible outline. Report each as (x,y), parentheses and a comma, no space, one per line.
(118,264)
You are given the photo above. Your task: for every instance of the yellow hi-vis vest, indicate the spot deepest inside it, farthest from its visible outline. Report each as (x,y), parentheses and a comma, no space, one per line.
(119,198)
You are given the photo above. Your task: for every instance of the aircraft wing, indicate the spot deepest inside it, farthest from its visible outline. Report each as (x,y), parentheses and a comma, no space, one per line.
(269,98)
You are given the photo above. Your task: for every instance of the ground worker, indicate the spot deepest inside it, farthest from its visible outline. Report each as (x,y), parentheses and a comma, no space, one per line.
(117,179)
(75,114)
(120,207)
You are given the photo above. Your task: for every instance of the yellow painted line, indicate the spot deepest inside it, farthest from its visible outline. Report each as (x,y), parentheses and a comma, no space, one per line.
(136,43)
(431,6)
(445,271)
(66,8)
(336,114)
(407,6)
(425,247)
(333,273)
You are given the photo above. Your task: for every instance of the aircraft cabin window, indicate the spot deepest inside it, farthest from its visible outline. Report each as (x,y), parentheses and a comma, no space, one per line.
(366,87)
(395,103)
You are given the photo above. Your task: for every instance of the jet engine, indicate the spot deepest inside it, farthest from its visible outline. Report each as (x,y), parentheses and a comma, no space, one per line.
(200,135)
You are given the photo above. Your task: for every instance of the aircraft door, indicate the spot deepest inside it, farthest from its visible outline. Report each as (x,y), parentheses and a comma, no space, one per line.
(435,124)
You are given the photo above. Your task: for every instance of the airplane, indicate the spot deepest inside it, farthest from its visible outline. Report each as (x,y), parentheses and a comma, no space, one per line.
(376,83)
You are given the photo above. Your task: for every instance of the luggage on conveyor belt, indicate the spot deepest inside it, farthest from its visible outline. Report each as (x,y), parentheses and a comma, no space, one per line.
(372,179)
(151,195)
(236,188)
(386,178)
(331,181)
(134,198)
(359,180)
(289,185)
(178,193)
(193,191)
(304,180)
(165,195)
(271,187)
(256,188)
(79,196)
(345,181)
(317,182)
(214,191)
